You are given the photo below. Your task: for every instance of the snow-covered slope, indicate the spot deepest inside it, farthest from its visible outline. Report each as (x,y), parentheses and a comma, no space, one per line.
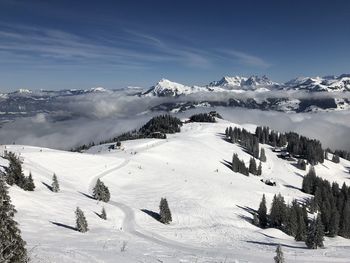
(209,202)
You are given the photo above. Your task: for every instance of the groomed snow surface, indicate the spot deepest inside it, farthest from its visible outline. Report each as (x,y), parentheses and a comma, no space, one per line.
(209,202)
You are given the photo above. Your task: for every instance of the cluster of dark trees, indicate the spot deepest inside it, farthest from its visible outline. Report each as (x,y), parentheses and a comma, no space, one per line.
(163,124)
(238,166)
(202,117)
(14,174)
(101,191)
(292,219)
(301,146)
(297,145)
(157,127)
(332,203)
(341,153)
(244,138)
(253,168)
(12,246)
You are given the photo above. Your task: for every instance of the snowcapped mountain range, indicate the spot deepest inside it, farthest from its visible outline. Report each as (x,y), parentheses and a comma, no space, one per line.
(238,84)
(258,93)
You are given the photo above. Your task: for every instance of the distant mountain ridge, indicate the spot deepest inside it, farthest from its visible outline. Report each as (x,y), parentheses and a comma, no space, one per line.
(238,84)
(259,93)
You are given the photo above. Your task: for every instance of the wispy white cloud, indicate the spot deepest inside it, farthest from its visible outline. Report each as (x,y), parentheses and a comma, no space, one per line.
(128,48)
(246,59)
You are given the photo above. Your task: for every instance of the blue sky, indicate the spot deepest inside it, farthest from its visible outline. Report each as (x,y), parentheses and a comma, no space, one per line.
(83,44)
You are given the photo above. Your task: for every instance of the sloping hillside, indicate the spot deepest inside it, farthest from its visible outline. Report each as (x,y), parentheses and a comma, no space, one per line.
(209,202)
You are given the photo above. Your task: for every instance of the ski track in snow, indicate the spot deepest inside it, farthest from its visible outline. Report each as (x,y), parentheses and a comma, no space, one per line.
(130,226)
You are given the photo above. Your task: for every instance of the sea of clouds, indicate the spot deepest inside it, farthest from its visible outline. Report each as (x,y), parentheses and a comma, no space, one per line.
(95,117)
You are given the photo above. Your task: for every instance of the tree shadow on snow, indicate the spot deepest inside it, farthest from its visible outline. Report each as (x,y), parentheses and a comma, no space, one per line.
(99,215)
(48,186)
(274,244)
(153,214)
(292,187)
(227,164)
(64,225)
(300,175)
(248,210)
(87,195)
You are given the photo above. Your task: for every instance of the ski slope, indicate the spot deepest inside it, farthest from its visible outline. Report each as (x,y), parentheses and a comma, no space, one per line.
(209,203)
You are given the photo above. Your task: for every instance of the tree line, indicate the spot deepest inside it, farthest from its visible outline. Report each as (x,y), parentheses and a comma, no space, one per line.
(157,127)
(202,117)
(291,219)
(329,206)
(331,202)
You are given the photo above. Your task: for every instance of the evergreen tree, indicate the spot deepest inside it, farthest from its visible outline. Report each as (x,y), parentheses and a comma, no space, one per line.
(103,214)
(262,213)
(235,162)
(55,185)
(81,223)
(334,222)
(291,227)
(14,173)
(308,185)
(315,234)
(279,255)
(262,155)
(344,230)
(300,234)
(164,211)
(252,166)
(12,246)
(278,212)
(101,192)
(29,184)
(259,172)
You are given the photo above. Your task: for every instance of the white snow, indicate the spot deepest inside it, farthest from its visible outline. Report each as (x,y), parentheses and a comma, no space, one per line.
(208,202)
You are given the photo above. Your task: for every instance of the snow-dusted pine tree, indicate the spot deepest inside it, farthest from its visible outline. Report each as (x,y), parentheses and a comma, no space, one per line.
(164,211)
(101,192)
(81,223)
(103,214)
(259,171)
(279,255)
(262,155)
(12,246)
(262,213)
(252,166)
(55,185)
(14,173)
(315,234)
(29,184)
